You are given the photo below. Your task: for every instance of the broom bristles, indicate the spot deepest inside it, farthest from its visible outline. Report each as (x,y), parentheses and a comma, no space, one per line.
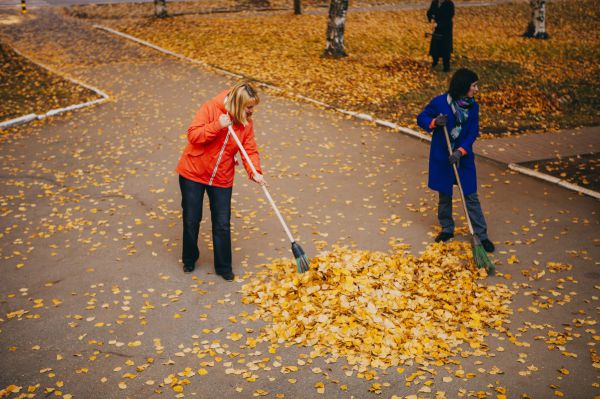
(302,262)
(481,259)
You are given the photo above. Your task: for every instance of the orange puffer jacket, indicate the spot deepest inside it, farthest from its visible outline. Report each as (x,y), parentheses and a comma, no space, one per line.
(209,157)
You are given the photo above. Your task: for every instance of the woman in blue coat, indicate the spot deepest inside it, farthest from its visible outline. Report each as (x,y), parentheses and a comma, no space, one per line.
(458,111)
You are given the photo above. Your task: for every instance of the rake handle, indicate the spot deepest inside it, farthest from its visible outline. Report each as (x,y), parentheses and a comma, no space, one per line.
(267,194)
(462,195)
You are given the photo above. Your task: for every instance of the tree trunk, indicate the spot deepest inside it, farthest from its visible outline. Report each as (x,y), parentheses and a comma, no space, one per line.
(297,7)
(160,8)
(537,26)
(335,29)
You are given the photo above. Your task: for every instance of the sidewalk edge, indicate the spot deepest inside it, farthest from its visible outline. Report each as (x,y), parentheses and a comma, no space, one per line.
(554,180)
(31,117)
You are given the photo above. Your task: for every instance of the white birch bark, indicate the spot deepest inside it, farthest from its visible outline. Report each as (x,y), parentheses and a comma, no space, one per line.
(537,26)
(160,8)
(335,29)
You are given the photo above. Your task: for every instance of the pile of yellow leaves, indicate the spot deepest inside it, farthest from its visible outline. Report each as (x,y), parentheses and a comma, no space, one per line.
(378,309)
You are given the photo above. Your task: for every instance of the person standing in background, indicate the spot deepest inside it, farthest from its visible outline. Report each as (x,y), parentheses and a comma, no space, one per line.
(440,14)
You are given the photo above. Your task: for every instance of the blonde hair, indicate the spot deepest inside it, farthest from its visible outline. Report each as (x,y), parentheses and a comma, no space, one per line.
(240,96)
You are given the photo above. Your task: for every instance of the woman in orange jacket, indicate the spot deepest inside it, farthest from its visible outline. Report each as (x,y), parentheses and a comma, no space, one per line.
(208,165)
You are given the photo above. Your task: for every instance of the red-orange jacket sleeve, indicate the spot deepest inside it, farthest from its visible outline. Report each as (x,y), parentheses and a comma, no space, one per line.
(203,129)
(250,146)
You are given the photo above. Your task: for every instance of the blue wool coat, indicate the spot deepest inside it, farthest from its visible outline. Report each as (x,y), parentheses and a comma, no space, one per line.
(441,175)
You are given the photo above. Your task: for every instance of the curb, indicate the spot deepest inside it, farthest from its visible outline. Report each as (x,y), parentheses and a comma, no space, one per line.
(31,117)
(358,115)
(552,179)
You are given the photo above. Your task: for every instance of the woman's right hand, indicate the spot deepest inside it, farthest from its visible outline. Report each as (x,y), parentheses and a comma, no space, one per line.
(441,120)
(258,178)
(224,120)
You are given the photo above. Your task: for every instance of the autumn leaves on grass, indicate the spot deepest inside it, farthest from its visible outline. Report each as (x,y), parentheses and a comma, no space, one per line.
(380,310)
(525,84)
(27,88)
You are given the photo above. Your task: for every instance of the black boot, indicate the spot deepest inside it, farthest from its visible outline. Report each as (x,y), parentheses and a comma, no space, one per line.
(443,237)
(488,245)
(228,276)
(188,268)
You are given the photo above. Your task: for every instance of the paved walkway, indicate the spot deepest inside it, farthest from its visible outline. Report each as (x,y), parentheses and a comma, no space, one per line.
(535,147)
(93,302)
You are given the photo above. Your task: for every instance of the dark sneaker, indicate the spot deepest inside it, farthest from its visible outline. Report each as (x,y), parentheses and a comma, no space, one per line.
(443,237)
(188,268)
(488,245)
(229,276)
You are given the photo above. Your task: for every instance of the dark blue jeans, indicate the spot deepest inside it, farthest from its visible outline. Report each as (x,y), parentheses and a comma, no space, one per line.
(192,197)
(475,213)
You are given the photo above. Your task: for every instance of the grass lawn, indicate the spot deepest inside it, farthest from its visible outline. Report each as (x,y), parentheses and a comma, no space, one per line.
(526,85)
(27,88)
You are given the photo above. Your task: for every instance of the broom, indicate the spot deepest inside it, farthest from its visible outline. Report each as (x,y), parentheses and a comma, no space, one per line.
(302,262)
(479,255)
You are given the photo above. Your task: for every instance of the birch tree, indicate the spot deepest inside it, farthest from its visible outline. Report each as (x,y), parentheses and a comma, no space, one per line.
(335,29)
(160,8)
(537,26)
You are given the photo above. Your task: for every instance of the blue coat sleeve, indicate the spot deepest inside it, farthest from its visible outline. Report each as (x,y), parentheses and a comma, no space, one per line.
(424,118)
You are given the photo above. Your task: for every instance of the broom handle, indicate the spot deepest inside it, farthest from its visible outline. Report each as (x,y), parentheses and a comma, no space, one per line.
(268,195)
(462,195)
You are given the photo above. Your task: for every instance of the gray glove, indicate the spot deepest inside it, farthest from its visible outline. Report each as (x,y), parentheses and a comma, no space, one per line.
(455,157)
(441,120)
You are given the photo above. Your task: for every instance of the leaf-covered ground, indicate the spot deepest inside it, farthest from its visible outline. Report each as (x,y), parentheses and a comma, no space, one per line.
(583,170)
(526,85)
(27,88)
(380,310)
(117,11)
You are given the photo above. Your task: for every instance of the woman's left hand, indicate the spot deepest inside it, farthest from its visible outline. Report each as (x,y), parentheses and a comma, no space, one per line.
(258,178)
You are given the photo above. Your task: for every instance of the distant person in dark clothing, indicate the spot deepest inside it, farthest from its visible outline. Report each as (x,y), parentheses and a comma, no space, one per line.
(440,15)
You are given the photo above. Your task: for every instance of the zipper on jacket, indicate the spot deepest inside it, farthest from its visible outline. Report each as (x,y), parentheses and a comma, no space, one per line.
(219,159)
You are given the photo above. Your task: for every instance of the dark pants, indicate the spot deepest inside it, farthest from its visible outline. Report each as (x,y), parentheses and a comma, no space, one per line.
(445,59)
(192,196)
(441,46)
(475,213)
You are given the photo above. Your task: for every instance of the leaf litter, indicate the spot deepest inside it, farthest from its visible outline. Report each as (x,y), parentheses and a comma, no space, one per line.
(378,309)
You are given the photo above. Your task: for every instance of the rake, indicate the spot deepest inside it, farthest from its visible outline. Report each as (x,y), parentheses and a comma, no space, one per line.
(302,262)
(479,255)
